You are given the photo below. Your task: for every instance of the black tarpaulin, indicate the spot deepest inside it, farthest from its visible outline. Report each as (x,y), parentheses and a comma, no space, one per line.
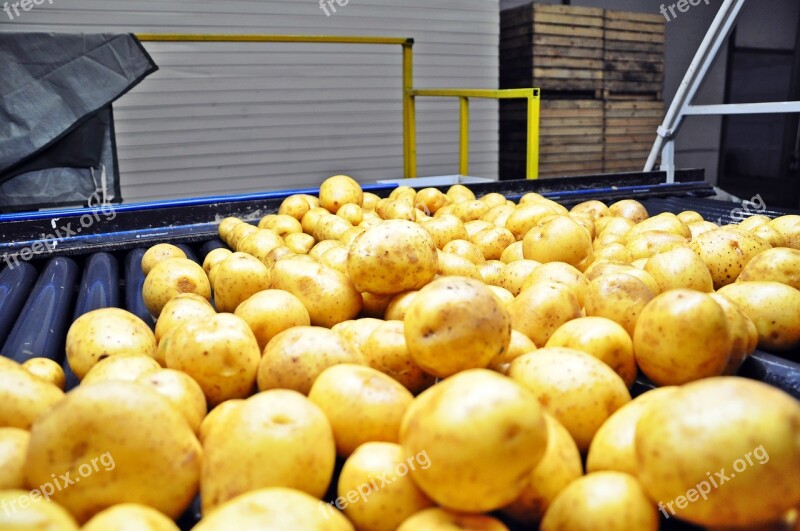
(57,142)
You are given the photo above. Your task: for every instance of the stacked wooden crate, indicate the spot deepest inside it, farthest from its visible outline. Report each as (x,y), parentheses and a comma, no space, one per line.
(628,134)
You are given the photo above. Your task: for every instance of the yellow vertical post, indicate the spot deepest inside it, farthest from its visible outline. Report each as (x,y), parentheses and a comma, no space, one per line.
(409,114)
(532,166)
(463,136)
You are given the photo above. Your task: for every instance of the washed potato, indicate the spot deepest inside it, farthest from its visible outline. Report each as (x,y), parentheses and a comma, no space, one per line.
(240,455)
(127,516)
(470,210)
(370,202)
(629,209)
(352,213)
(608,238)
(520,344)
(579,390)
(219,352)
(560,273)
(690,216)
(653,242)
(375,305)
(386,351)
(491,271)
(613,252)
(465,249)
(404,193)
(789,226)
(559,239)
(453,265)
(270,312)
(438,519)
(97,433)
(515,274)
(330,227)
(238,277)
(239,233)
(361,403)
(281,224)
(300,243)
(612,447)
(498,215)
(770,235)
(541,308)
(444,229)
(493,241)
(169,279)
(47,370)
(339,190)
(525,217)
(560,465)
(586,222)
(216,417)
(698,228)
(679,268)
(121,368)
(614,498)
(602,268)
(505,296)
(320,248)
(666,222)
(25,508)
(773,307)
(294,205)
(513,252)
(744,334)
(158,253)
(613,225)
(458,193)
(726,252)
(392,257)
(780,264)
(602,338)
(23,396)
(594,209)
(475,226)
(181,391)
(430,200)
(682,335)
(357,331)
(275,508)
(745,459)
(178,310)
(454,324)
(13,449)
(294,358)
(260,243)
(459,422)
(396,311)
(98,334)
(226,226)
(620,297)
(328,294)
(311,218)
(398,209)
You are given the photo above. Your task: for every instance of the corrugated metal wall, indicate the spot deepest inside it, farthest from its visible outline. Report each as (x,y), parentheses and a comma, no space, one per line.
(231,118)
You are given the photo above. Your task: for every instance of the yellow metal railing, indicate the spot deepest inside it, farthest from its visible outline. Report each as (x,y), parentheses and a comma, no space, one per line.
(409,93)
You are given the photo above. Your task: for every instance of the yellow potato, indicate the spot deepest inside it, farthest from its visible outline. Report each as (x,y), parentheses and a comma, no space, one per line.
(594,209)
(295,206)
(459,422)
(97,434)
(169,279)
(216,417)
(512,253)
(520,344)
(392,257)
(560,465)
(438,519)
(612,447)
(281,224)
(602,338)
(351,213)
(402,192)
(260,243)
(121,368)
(430,200)
(614,498)
(98,334)
(238,277)
(559,239)
(214,257)
(270,312)
(311,218)
(601,268)
(679,268)
(465,249)
(653,242)
(458,193)
(579,390)
(770,235)
(493,241)
(375,305)
(357,331)
(385,350)
(780,264)
(664,222)
(47,370)
(331,227)
(23,396)
(219,352)
(444,229)
(158,253)
(515,274)
(181,391)
(613,225)
(13,449)
(178,310)
(789,227)
(454,324)
(541,308)
(361,403)
(396,311)
(560,273)
(275,508)
(320,248)
(744,334)
(613,252)
(505,296)
(744,460)
(607,238)
(297,356)
(226,226)
(498,215)
(629,209)
(240,455)
(453,265)
(726,252)
(690,216)
(586,222)
(773,307)
(22,509)
(700,227)
(617,296)
(300,243)
(127,516)
(339,190)
(475,226)
(525,217)
(491,271)
(239,233)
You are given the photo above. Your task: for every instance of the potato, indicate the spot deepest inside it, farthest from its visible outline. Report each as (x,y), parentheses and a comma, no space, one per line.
(23,396)
(617,296)
(270,312)
(594,209)
(525,217)
(320,248)
(180,390)
(614,498)
(350,234)
(98,433)
(121,368)
(299,242)
(780,264)
(47,370)
(311,218)
(629,209)
(579,390)
(465,249)
(240,455)
(330,227)
(602,338)
(690,216)
(515,274)
(460,421)
(599,268)
(520,344)
(726,252)
(744,334)
(512,253)
(361,403)
(613,252)
(239,233)
(339,190)
(215,256)
(470,210)
(328,294)
(607,238)
(239,276)
(560,273)
(357,331)
(278,253)
(385,350)
(773,307)
(106,332)
(612,447)
(454,324)
(158,253)
(444,229)
(789,227)
(25,509)
(493,241)
(13,449)
(396,311)
(226,226)
(375,305)
(378,472)
(653,242)
(275,508)
(216,417)
(679,268)
(259,243)
(586,222)
(430,200)
(475,226)
(458,193)
(491,271)
(438,519)
(169,279)
(560,465)
(295,358)
(351,213)
(770,235)
(498,215)
(404,193)
(559,239)
(664,222)
(541,308)
(179,309)
(745,460)
(613,225)
(700,227)
(453,265)
(219,352)
(503,294)
(129,516)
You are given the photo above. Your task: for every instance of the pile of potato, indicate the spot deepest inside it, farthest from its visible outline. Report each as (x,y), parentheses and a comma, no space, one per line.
(427,361)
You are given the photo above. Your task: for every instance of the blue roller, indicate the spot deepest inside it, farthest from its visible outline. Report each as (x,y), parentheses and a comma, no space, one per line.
(134,280)
(15,285)
(188,251)
(42,325)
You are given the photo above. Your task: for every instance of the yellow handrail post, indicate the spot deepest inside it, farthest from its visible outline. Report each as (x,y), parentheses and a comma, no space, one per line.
(409,113)
(463,164)
(532,167)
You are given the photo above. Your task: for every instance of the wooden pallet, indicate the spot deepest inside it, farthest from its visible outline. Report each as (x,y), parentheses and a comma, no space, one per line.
(629,129)
(633,55)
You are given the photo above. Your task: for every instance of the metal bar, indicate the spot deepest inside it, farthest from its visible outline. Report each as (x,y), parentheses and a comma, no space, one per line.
(463,136)
(502,94)
(226,37)
(409,128)
(412,137)
(532,160)
(772,107)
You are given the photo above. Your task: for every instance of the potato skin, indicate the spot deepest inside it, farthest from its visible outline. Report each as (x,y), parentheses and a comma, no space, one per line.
(13,450)
(171,278)
(385,350)
(118,517)
(559,239)
(773,307)
(780,264)
(237,278)
(159,253)
(620,297)
(270,312)
(338,191)
(438,519)
(726,252)
(540,309)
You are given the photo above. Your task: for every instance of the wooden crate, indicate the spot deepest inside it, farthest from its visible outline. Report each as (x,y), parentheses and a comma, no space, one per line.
(633,55)
(629,129)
